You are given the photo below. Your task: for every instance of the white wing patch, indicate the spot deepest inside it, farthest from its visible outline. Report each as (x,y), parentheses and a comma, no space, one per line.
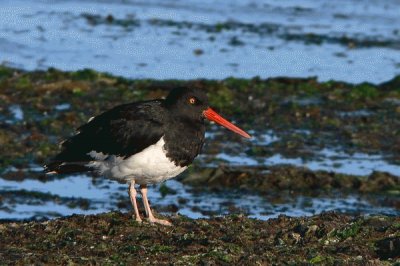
(146,167)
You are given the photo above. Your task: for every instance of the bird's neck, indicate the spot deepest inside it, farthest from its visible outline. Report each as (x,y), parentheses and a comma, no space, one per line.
(184,140)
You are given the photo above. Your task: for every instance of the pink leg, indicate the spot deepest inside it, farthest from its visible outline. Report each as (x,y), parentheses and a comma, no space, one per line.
(152,219)
(132,195)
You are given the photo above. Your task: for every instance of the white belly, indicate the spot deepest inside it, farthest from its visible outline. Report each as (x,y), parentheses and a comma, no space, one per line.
(146,167)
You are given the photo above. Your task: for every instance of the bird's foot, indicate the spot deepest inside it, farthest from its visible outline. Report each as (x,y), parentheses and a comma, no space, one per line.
(137,218)
(159,221)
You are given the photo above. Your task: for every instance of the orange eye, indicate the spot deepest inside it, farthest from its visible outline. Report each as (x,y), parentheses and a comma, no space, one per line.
(192,100)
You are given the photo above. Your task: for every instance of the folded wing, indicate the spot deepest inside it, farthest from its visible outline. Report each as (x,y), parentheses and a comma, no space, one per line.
(122,131)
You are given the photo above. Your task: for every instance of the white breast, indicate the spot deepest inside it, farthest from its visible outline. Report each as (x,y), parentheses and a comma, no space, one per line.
(146,167)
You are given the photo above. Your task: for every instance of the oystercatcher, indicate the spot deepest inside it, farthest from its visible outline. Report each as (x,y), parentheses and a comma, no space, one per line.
(141,143)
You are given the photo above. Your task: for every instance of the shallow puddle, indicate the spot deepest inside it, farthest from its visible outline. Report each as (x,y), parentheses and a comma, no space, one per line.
(82,194)
(327,159)
(16,114)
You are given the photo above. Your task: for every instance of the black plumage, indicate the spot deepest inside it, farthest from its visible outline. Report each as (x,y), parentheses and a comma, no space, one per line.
(128,129)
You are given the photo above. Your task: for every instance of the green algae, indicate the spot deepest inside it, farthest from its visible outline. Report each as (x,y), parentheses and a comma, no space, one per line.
(280,178)
(39,198)
(223,241)
(165,190)
(350,231)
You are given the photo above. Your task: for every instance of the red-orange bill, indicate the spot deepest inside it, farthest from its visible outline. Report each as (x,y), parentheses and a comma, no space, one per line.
(211,115)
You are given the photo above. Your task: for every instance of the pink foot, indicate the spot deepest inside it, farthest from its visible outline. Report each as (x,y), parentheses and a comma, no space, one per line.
(159,221)
(137,219)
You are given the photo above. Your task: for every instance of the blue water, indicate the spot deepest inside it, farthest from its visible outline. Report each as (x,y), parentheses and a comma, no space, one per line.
(42,34)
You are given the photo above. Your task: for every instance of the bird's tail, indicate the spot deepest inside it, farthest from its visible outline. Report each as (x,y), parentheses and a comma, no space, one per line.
(61,167)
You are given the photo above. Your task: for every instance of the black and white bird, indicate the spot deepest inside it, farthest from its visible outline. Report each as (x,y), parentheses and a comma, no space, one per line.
(141,143)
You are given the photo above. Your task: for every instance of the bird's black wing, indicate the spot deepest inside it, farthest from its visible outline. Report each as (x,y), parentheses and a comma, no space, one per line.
(123,131)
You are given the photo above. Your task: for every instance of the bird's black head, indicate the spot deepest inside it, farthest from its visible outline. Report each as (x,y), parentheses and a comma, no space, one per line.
(187,103)
(192,105)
